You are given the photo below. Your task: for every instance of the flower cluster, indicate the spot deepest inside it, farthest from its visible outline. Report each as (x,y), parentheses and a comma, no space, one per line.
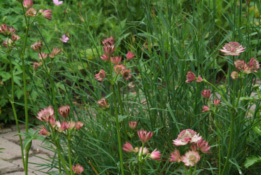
(197,145)
(243,68)
(32,12)
(190,77)
(10,33)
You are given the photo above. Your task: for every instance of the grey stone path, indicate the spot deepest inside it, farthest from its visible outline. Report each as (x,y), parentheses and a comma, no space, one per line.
(10,158)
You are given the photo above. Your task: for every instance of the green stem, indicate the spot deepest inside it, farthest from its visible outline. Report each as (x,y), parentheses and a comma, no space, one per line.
(219,145)
(121,108)
(140,158)
(60,156)
(70,155)
(118,129)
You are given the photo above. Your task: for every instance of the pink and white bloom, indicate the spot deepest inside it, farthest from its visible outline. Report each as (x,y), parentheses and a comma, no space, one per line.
(143,151)
(155,155)
(216,102)
(108,41)
(115,60)
(118,69)
(203,146)
(46,13)
(187,136)
(65,125)
(175,156)
(37,46)
(7,43)
(130,55)
(240,65)
(71,125)
(126,74)
(105,57)
(234,75)
(103,103)
(78,125)
(44,132)
(57,2)
(36,65)
(127,147)
(199,79)
(52,121)
(15,37)
(100,76)
(145,136)
(78,169)
(206,93)
(45,114)
(233,49)
(27,3)
(42,56)
(205,108)
(64,39)
(108,50)
(253,65)
(190,77)
(55,52)
(190,158)
(133,124)
(31,12)
(64,111)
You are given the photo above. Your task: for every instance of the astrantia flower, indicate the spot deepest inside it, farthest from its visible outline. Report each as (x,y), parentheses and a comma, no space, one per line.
(127,147)
(64,111)
(187,136)
(206,93)
(4,29)
(36,65)
(42,56)
(64,39)
(115,60)
(57,2)
(205,108)
(65,125)
(46,13)
(190,158)
(175,156)
(253,65)
(144,151)
(133,124)
(78,169)
(126,74)
(27,3)
(233,49)
(71,125)
(240,65)
(199,79)
(108,50)
(234,75)
(44,132)
(45,114)
(103,103)
(155,155)
(130,55)
(7,43)
(144,135)
(190,77)
(78,125)
(105,57)
(15,37)
(37,46)
(216,102)
(108,41)
(203,146)
(52,121)
(55,52)
(100,76)
(119,69)
(31,12)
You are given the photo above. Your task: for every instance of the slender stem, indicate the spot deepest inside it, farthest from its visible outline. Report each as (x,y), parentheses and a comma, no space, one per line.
(219,145)
(140,158)
(118,129)
(60,156)
(121,108)
(70,155)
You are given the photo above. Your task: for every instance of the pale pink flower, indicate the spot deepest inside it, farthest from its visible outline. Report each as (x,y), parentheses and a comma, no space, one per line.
(78,125)
(105,57)
(115,60)
(205,108)
(190,77)
(126,74)
(64,111)
(58,126)
(234,75)
(175,156)
(145,136)
(11,30)
(233,49)
(206,93)
(216,102)
(71,125)
(55,52)
(46,13)
(31,12)
(240,65)
(143,151)
(64,39)
(37,46)
(130,55)
(78,169)
(4,29)
(36,65)
(100,76)
(52,121)
(203,146)
(133,124)
(65,125)
(155,155)
(108,50)
(108,41)
(7,43)
(45,114)
(42,55)
(190,158)
(27,3)
(44,132)
(57,2)
(253,65)
(118,69)
(15,37)
(127,147)
(186,136)
(199,79)
(103,103)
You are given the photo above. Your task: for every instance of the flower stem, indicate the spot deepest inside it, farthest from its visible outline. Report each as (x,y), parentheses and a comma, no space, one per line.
(60,156)
(70,156)
(140,158)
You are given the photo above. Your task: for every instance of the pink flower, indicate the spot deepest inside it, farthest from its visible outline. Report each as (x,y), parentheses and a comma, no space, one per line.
(206,93)
(37,46)
(58,126)
(36,65)
(127,147)
(44,132)
(31,12)
(216,102)
(11,30)
(130,55)
(233,49)
(52,121)
(15,37)
(203,146)
(199,79)
(144,135)
(7,43)
(78,125)
(133,124)
(240,65)
(234,75)
(155,155)
(190,77)
(119,69)
(115,60)
(100,76)
(57,2)
(205,108)
(108,41)
(65,125)
(103,103)
(108,50)
(186,136)
(45,114)
(253,65)
(55,52)
(4,29)
(28,3)
(105,57)
(46,14)
(142,151)
(42,56)
(126,74)
(64,39)
(190,158)
(175,156)
(64,111)
(71,125)
(78,169)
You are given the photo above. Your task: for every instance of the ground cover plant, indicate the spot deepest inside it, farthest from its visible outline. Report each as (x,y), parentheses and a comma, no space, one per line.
(134,87)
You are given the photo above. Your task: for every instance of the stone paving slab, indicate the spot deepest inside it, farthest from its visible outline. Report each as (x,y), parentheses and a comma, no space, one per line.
(19,173)
(6,167)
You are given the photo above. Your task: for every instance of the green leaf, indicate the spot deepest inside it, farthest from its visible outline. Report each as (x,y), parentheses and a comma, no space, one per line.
(252,160)
(122,117)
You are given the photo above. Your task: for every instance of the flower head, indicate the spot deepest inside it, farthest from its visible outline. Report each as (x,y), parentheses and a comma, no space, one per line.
(126,74)
(234,75)
(187,136)
(108,41)
(205,108)
(100,76)
(240,65)
(31,12)
(206,93)
(78,125)
(7,43)
(175,156)
(52,121)
(216,102)
(71,125)
(15,37)
(203,146)
(233,49)
(36,65)
(64,111)
(119,69)
(145,135)
(57,2)
(190,158)
(253,65)
(37,46)
(103,103)
(27,3)
(45,114)
(105,57)
(42,56)
(199,79)
(65,125)
(55,52)
(133,124)
(155,155)
(190,77)
(78,169)
(64,38)
(4,29)
(130,55)
(127,147)
(143,151)
(108,50)
(115,60)
(46,14)
(44,132)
